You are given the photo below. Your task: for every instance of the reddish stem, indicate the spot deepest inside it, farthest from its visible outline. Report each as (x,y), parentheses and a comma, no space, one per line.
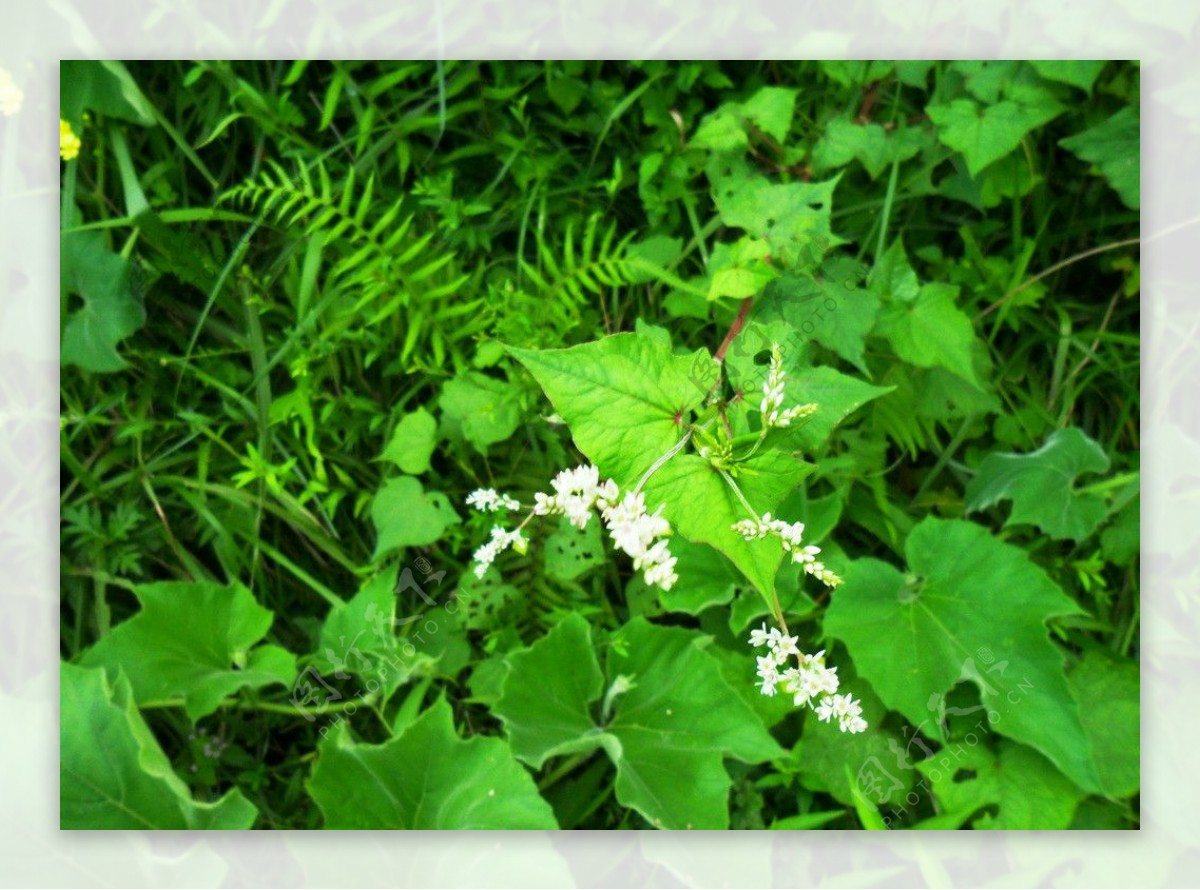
(734,329)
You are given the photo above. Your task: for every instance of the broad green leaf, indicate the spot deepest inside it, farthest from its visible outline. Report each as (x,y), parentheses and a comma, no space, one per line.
(425,778)
(1114,147)
(1010,177)
(624,397)
(703,508)
(931,331)
(1107,690)
(485,409)
(112,772)
(836,395)
(986,134)
(771,110)
(793,218)
(1041,485)
(832,308)
(706,579)
(1025,787)
(413,442)
(110,312)
(1121,540)
(972,609)
(1080,73)
(485,603)
(193,641)
(873,146)
(855,73)
(740,270)
(668,734)
(721,131)
(405,515)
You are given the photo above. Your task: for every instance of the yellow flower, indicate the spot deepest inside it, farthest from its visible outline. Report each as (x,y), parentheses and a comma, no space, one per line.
(11,96)
(68,142)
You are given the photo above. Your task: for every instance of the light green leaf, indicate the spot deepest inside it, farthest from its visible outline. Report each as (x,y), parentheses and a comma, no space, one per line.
(1114,147)
(1041,485)
(724,130)
(874,147)
(405,515)
(485,409)
(195,641)
(703,508)
(112,772)
(570,552)
(837,396)
(1107,690)
(359,637)
(931,331)
(425,778)
(110,312)
(1080,73)
(413,442)
(721,131)
(706,579)
(971,608)
(771,110)
(669,732)
(986,134)
(621,396)
(1025,787)
(793,218)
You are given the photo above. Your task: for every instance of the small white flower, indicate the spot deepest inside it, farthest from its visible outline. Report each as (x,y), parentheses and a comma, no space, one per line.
(501,540)
(488,500)
(758,636)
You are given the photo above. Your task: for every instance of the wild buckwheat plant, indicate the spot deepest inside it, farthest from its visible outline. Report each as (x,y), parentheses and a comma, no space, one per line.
(735,455)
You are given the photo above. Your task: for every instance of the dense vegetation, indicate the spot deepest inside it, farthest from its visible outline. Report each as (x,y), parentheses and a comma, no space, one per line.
(308,309)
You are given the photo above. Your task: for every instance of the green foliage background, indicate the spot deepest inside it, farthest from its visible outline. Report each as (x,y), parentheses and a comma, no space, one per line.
(301,305)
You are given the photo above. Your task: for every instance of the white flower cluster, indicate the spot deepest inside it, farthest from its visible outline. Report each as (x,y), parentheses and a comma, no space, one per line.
(577,492)
(642,536)
(501,540)
(773,393)
(789,534)
(488,500)
(809,681)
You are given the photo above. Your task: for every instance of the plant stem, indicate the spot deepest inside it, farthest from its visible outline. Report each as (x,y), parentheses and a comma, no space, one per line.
(657,465)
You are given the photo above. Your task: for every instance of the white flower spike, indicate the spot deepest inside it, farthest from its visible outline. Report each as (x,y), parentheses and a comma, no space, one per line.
(488,500)
(771,406)
(790,536)
(810,683)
